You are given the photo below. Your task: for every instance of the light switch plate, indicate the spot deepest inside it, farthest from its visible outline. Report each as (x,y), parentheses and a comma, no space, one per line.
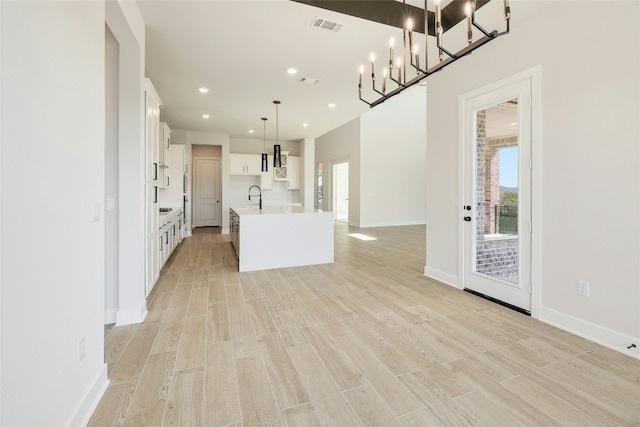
(111,205)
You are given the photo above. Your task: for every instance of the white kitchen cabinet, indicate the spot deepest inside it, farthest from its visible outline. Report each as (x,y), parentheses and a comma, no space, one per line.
(293,172)
(152,132)
(164,176)
(165,145)
(151,242)
(281,173)
(245,164)
(151,267)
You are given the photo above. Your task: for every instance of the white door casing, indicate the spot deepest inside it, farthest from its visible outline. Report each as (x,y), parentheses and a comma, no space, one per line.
(516,292)
(207,193)
(341,191)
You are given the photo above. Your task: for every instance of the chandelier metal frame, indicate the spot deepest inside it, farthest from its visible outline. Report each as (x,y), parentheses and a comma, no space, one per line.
(407,33)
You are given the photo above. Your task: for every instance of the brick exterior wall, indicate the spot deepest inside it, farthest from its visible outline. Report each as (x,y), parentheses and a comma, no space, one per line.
(494,257)
(497,258)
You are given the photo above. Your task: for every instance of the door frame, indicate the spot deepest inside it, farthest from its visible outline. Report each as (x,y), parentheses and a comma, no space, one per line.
(334,187)
(534,76)
(194,189)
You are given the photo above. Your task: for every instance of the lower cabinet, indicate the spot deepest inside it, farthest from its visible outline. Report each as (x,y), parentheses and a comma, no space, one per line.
(152,260)
(161,243)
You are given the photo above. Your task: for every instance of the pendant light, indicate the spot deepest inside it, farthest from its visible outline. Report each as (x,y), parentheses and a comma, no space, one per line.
(277,161)
(265,163)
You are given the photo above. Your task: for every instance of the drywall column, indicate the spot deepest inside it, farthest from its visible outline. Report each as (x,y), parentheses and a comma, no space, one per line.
(309,172)
(126,24)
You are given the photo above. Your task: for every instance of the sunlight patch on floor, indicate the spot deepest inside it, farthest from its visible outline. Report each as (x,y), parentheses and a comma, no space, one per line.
(361,236)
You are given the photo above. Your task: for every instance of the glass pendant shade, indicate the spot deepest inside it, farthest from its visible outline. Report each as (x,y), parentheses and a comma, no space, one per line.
(277,161)
(265,162)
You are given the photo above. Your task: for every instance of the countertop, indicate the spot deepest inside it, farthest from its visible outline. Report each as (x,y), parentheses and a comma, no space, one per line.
(272,209)
(174,210)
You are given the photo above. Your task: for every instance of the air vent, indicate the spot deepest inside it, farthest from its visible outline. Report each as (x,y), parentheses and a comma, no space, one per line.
(309,80)
(325,24)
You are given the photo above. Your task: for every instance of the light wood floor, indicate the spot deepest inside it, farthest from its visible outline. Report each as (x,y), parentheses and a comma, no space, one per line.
(364,341)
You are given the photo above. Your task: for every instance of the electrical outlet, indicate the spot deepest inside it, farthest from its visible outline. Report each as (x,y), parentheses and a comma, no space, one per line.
(583,288)
(80,349)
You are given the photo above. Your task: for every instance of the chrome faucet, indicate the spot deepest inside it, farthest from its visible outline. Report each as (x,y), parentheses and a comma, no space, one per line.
(259,194)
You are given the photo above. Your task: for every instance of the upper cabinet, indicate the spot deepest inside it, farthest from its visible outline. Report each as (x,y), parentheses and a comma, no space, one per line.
(245,164)
(152,132)
(280,173)
(165,145)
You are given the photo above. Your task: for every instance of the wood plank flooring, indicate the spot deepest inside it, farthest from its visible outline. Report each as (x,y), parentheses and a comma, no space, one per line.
(365,341)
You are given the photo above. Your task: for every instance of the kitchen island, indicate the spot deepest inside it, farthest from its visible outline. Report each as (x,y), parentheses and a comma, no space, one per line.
(281,236)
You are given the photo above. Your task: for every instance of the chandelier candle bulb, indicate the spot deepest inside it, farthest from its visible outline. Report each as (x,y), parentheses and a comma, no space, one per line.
(507,10)
(469,12)
(391,43)
(360,79)
(372,57)
(384,80)
(439,28)
(410,31)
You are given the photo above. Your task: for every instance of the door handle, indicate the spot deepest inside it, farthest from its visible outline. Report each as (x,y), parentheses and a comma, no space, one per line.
(467,218)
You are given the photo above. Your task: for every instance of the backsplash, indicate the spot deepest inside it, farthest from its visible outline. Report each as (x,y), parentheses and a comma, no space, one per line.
(280,193)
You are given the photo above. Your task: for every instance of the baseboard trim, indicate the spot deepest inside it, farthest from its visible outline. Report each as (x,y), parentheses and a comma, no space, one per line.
(390,224)
(110,315)
(596,333)
(91,399)
(130,317)
(441,276)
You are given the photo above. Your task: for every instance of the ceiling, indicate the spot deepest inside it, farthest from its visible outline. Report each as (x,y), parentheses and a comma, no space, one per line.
(502,120)
(241,50)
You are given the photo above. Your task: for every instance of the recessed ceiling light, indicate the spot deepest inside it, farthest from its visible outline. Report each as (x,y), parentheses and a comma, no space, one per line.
(251,131)
(203,89)
(305,125)
(292,70)
(332,105)
(205,116)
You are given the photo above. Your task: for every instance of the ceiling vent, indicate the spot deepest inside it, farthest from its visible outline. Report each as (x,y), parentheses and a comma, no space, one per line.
(325,24)
(309,80)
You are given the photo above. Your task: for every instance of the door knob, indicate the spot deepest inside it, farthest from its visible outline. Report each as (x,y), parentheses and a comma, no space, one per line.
(467,218)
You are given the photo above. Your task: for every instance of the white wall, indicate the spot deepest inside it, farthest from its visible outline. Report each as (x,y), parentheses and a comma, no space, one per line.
(392,159)
(341,144)
(386,151)
(588,172)
(256,146)
(111,176)
(53,133)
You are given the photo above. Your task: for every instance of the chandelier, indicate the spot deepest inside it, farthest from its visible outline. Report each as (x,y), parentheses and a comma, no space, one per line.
(445,57)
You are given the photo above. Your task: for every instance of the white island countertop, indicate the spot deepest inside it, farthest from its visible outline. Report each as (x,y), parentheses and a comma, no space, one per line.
(272,210)
(278,236)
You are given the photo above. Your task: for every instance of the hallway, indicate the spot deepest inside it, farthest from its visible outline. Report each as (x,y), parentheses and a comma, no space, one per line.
(367,340)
